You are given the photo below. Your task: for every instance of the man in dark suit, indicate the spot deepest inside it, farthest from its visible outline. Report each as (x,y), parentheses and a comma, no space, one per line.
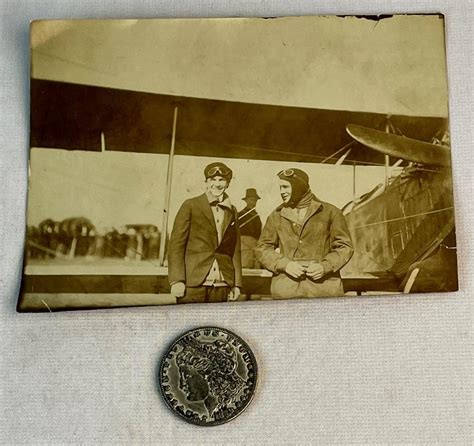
(250,228)
(204,263)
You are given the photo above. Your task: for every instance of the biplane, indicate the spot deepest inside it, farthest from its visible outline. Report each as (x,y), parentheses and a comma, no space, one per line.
(403,229)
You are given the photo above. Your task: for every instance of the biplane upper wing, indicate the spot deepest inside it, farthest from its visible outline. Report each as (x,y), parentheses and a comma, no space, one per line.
(73,116)
(401,147)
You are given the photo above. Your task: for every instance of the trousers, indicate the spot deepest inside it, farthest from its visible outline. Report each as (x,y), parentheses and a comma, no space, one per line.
(205,294)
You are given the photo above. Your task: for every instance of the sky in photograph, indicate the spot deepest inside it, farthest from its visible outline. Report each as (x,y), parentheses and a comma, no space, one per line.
(396,65)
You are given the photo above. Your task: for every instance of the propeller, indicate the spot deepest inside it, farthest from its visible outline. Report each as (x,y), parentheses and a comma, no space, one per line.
(397,146)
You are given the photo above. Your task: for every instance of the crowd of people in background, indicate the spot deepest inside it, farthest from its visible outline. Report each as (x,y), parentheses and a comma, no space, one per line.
(78,237)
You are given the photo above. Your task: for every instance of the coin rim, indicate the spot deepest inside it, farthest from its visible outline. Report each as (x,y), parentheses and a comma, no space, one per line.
(199,422)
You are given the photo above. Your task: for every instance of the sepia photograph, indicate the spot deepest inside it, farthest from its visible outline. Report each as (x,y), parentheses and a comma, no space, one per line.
(177,161)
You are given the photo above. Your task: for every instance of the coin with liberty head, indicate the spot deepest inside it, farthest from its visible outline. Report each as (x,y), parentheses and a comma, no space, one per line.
(208,376)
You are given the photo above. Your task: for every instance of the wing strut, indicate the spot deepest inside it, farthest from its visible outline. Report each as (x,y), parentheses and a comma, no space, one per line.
(169,179)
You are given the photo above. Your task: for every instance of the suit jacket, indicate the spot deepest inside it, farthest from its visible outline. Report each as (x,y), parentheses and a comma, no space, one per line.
(250,223)
(193,244)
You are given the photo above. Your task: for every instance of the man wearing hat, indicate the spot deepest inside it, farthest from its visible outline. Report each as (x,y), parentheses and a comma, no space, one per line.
(204,263)
(312,238)
(250,228)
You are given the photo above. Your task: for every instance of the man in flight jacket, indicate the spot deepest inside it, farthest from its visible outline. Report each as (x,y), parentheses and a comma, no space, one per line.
(204,263)
(305,242)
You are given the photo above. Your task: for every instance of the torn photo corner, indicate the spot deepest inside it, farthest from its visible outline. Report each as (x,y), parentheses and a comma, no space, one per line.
(182,161)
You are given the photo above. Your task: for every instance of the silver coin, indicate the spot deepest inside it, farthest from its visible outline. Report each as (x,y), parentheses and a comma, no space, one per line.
(208,376)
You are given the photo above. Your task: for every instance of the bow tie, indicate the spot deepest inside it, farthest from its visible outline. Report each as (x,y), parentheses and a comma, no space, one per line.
(216,203)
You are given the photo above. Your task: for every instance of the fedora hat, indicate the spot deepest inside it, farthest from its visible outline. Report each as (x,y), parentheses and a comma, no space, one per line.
(251,193)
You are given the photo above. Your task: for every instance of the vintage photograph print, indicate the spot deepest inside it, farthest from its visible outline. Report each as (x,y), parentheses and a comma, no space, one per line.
(179,161)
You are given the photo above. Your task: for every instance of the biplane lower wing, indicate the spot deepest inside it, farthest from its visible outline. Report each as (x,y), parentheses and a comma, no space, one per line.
(56,287)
